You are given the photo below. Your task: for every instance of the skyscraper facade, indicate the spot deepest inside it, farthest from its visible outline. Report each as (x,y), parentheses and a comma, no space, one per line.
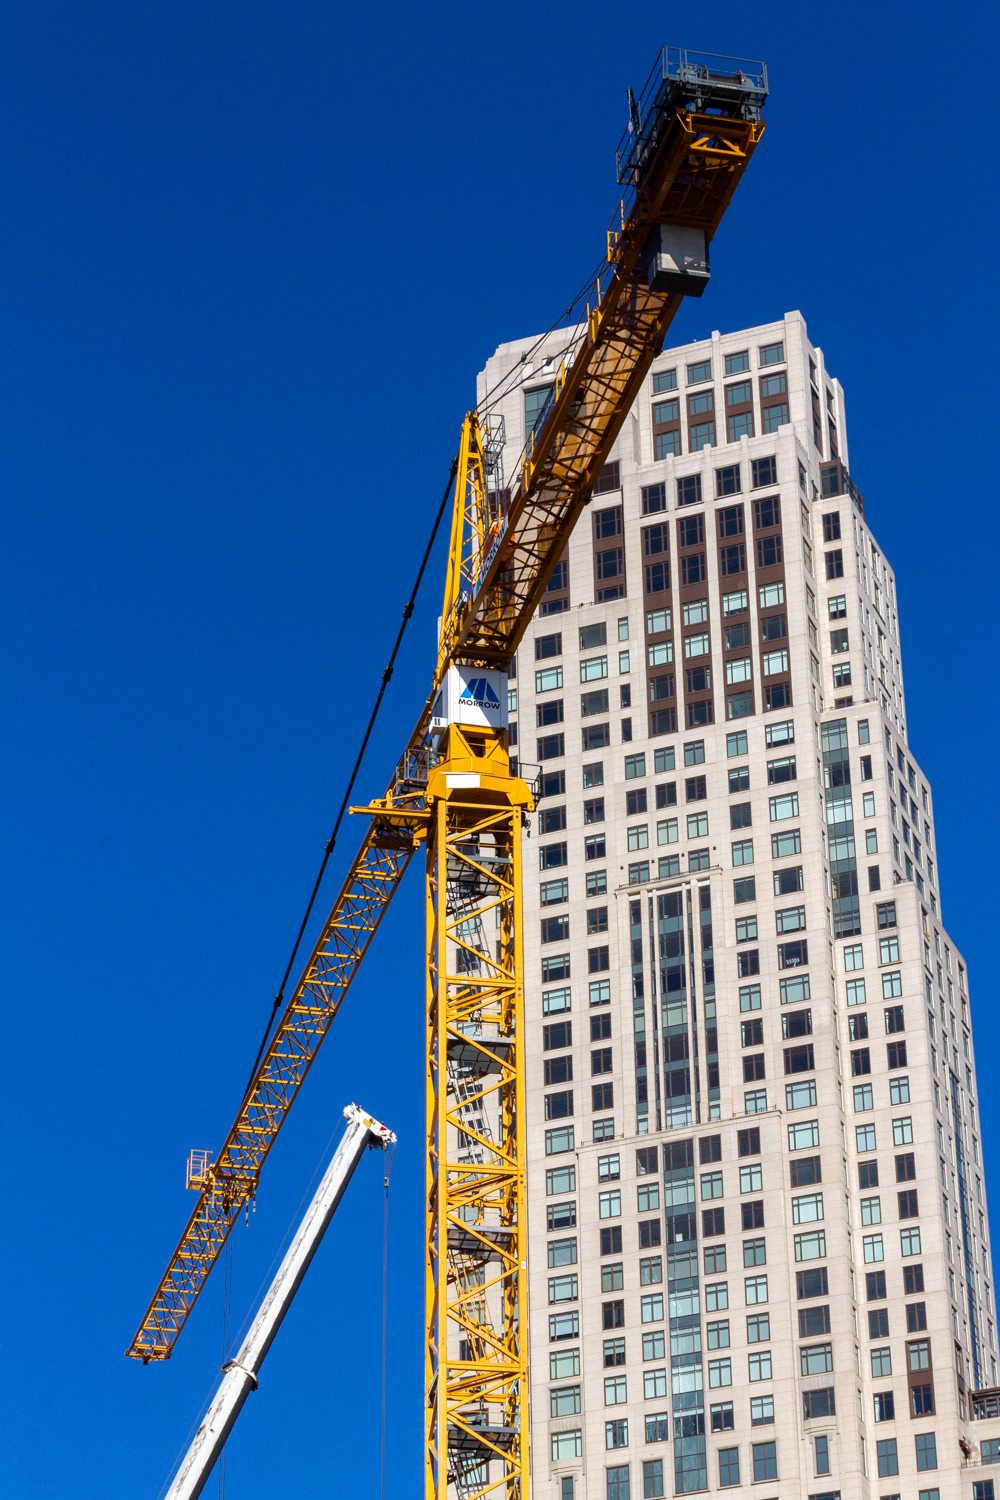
(760,1252)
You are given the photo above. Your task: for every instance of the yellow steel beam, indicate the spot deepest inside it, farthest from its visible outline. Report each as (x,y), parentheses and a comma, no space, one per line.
(477,1347)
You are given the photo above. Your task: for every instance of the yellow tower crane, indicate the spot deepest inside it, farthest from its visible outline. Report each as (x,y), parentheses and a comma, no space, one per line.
(691,134)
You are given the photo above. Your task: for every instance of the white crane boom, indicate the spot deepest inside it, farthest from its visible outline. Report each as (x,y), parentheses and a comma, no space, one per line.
(240,1373)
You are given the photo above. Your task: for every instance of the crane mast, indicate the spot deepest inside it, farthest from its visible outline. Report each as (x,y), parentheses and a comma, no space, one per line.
(691,135)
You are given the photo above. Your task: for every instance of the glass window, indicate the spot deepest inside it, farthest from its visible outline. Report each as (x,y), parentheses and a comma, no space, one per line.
(567,1444)
(765,1460)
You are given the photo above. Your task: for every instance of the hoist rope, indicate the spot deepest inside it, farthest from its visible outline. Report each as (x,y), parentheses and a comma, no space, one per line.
(496,390)
(332,840)
(385,1298)
(227,1323)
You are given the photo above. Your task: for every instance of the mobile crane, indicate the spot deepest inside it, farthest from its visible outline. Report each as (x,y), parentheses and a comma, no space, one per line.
(691,134)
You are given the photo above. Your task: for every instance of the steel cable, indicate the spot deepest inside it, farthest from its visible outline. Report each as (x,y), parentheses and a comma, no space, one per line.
(332,840)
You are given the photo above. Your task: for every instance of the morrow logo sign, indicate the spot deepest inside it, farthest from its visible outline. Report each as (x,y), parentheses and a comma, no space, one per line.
(479,693)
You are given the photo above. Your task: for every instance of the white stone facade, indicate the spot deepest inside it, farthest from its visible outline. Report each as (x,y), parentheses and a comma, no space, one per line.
(858,1099)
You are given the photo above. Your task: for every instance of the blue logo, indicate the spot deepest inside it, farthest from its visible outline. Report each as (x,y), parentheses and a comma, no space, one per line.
(477,691)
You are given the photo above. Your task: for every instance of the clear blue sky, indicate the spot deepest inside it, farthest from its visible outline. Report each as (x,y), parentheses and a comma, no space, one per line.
(252,257)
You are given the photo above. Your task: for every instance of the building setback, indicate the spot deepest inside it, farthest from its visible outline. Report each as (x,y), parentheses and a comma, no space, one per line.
(760,1252)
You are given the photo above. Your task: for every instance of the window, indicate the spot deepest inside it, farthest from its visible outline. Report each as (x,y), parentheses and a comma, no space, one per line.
(885,1406)
(785,806)
(652,1472)
(654,497)
(811,1283)
(556,967)
(804,1136)
(813,1320)
(811,1246)
(807,1208)
(906,1167)
(759,1366)
(564,1326)
(564,1401)
(555,929)
(873,1248)
(755,1290)
(553,892)
(878,1323)
(563,1288)
(718,1335)
(595,703)
(635,766)
(765,1460)
(804,1171)
(746,929)
(926,1446)
(759,1329)
(888,1462)
(754,1252)
(771,354)
(800,1095)
(567,1444)
(558,1106)
(902,1131)
(721,1416)
(617,1483)
(711,1182)
(729,1465)
(652,1308)
(720,1373)
(864,1137)
(761,1411)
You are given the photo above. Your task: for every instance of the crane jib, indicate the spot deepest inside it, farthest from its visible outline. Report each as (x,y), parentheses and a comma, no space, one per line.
(699,124)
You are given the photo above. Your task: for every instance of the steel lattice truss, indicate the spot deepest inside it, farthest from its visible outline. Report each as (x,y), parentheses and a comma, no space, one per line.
(690,181)
(499,567)
(477,1438)
(232,1180)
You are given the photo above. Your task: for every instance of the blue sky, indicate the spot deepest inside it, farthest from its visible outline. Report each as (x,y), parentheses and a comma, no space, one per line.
(252,257)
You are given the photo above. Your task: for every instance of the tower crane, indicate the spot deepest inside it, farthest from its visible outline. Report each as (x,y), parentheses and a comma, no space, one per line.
(454,795)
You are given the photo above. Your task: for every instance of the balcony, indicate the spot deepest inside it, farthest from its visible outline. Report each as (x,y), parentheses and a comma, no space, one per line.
(835,480)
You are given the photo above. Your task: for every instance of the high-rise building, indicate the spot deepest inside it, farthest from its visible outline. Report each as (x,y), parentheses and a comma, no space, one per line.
(760,1253)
